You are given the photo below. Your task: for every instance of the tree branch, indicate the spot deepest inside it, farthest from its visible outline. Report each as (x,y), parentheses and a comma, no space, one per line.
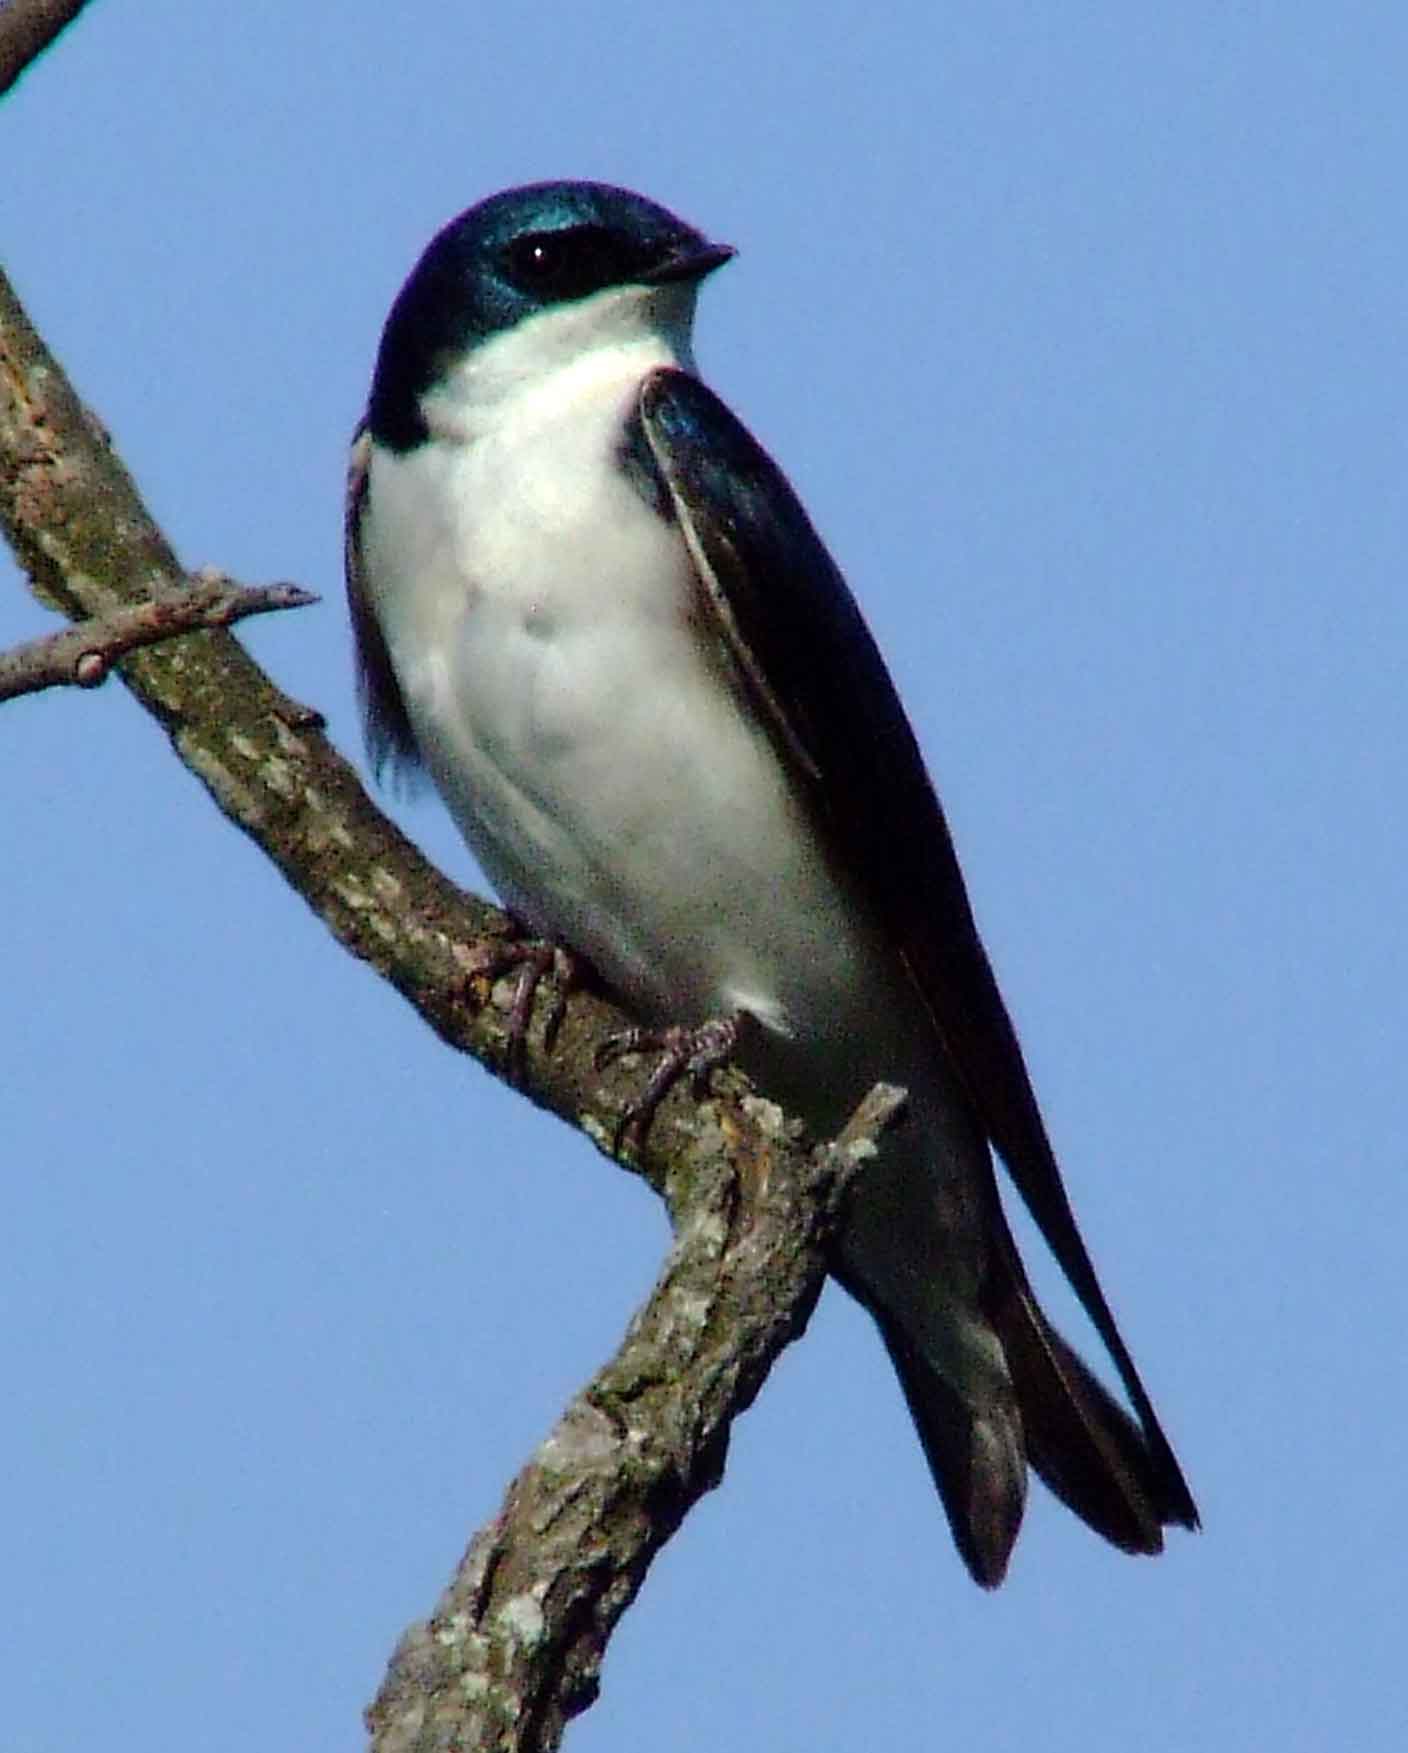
(82,656)
(27,27)
(514,1647)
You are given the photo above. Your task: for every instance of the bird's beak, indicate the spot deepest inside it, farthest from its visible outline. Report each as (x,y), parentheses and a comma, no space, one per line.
(691,264)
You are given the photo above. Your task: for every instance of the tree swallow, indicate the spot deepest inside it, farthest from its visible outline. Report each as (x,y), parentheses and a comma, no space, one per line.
(589,603)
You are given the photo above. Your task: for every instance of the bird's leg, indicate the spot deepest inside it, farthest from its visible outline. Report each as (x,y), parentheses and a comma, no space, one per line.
(534,958)
(684,1052)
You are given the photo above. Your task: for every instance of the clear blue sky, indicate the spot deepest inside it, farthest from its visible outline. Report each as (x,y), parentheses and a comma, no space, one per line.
(1080,329)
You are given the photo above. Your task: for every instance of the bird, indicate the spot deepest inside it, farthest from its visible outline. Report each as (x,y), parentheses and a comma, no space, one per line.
(589,604)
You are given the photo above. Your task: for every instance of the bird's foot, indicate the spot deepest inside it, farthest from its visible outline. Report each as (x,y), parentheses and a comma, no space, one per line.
(684,1052)
(534,958)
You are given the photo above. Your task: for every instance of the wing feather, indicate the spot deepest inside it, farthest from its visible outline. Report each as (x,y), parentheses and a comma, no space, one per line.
(385,720)
(782,606)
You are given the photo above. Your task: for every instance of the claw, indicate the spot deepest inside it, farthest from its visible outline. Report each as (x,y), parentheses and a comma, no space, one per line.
(684,1052)
(534,958)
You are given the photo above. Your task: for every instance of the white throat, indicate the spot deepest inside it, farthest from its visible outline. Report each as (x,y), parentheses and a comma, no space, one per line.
(568,351)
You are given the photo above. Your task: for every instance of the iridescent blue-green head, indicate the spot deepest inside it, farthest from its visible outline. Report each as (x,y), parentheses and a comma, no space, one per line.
(509,260)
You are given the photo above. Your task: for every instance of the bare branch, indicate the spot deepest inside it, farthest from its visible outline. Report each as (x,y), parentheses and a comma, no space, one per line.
(82,656)
(514,1648)
(515,1645)
(27,27)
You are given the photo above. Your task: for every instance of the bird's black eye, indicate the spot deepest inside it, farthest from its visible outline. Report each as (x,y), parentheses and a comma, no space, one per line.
(572,262)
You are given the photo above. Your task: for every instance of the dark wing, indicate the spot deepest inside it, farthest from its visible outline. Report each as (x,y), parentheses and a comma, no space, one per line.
(795,630)
(385,721)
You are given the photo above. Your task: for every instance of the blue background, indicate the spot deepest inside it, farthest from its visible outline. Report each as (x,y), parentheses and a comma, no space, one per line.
(1080,329)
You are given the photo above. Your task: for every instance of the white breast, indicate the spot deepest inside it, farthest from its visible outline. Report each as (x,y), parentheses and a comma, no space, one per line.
(583,723)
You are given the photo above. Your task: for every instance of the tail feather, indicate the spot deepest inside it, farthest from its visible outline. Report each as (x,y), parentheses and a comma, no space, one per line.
(1079,1439)
(1056,1415)
(977,1458)
(1097,1459)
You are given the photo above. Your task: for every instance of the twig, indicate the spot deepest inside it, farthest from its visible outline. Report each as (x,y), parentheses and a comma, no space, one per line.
(82,656)
(27,27)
